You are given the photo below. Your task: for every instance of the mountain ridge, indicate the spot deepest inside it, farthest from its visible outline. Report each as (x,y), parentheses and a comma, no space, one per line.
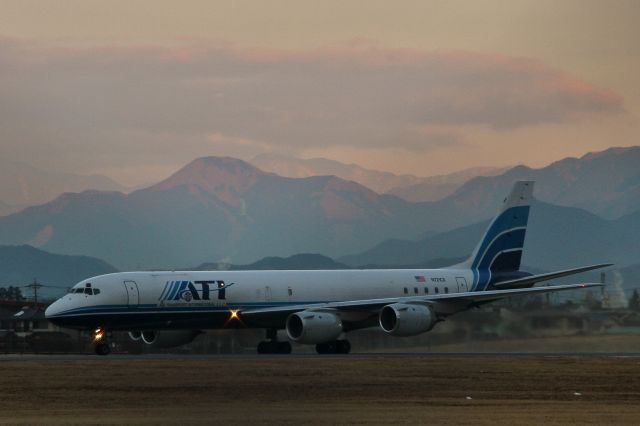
(22,185)
(214,209)
(586,239)
(606,183)
(22,264)
(430,188)
(225,210)
(301,261)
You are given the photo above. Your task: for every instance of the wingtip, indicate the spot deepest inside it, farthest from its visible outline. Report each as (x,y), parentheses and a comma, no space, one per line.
(585,285)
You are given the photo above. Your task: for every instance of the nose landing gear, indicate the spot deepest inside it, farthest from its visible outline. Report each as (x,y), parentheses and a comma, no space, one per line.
(101,342)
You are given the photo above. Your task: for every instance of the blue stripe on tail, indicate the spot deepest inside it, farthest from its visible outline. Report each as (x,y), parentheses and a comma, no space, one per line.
(501,248)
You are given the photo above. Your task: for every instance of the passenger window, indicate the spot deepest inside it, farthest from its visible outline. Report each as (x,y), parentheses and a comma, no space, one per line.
(406,290)
(437,290)
(415,290)
(446,289)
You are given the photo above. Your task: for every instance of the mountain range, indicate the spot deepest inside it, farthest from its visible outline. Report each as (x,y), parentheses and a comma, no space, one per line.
(557,237)
(293,167)
(22,185)
(434,188)
(226,210)
(215,209)
(606,183)
(406,186)
(304,261)
(20,265)
(6,209)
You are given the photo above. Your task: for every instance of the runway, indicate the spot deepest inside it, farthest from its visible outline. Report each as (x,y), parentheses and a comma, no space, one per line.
(370,388)
(361,355)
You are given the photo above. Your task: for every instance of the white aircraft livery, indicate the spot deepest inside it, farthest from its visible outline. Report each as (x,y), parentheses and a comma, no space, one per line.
(314,307)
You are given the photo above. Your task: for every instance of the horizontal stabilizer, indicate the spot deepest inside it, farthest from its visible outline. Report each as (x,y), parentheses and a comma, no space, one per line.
(528,281)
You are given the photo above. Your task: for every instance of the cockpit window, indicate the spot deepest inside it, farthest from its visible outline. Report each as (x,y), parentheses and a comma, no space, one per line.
(86,290)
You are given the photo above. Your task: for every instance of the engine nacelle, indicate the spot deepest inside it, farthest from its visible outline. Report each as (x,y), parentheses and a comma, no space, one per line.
(135,335)
(313,327)
(165,338)
(406,319)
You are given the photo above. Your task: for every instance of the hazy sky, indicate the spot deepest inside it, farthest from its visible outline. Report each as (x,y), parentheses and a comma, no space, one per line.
(134,89)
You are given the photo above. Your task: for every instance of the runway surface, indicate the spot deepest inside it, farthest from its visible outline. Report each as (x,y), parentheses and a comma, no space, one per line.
(361,388)
(44,357)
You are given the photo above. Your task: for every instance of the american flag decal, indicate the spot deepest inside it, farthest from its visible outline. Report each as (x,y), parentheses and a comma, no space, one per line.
(420,279)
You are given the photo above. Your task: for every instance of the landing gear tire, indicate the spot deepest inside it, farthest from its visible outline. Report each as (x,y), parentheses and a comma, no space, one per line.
(102,349)
(345,346)
(284,348)
(335,347)
(274,347)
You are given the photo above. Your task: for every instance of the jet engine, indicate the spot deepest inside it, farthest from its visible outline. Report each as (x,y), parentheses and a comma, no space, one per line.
(313,327)
(404,319)
(165,338)
(135,335)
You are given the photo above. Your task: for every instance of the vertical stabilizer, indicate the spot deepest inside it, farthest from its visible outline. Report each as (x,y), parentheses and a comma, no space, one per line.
(500,249)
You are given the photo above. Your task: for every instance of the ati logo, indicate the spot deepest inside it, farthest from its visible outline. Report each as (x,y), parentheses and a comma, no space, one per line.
(194,290)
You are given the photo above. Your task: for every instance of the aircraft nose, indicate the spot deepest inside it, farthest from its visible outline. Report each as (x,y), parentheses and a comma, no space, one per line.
(52,310)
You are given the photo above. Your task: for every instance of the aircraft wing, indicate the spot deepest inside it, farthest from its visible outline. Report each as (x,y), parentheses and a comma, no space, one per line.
(468,298)
(528,281)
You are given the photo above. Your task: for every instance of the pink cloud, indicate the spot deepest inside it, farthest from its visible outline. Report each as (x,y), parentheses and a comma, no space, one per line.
(357,95)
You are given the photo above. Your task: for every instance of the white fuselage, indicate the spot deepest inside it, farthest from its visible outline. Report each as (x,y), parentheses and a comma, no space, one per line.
(171,299)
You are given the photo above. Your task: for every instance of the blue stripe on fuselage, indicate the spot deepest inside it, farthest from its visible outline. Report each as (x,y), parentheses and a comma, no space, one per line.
(154,307)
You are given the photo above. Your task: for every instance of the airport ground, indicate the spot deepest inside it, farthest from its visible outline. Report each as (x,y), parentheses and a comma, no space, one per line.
(308,389)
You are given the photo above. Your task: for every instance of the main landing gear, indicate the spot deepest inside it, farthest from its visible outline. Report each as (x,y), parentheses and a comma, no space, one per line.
(102,349)
(335,347)
(101,342)
(272,345)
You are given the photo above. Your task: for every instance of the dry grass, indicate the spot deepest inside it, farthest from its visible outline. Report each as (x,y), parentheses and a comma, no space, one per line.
(379,390)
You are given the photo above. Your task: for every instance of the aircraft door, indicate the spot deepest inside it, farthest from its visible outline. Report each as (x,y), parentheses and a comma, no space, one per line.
(267,293)
(462,284)
(133,295)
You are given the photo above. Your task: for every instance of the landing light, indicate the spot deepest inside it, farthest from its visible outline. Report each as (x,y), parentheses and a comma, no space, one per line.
(98,334)
(234,317)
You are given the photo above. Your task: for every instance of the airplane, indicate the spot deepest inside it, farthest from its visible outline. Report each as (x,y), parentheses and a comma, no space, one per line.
(169,309)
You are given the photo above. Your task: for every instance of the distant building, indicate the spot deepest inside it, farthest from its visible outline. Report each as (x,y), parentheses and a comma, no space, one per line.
(30,319)
(26,329)
(8,308)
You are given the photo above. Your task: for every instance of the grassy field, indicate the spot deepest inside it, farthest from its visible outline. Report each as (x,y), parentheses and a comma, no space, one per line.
(292,390)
